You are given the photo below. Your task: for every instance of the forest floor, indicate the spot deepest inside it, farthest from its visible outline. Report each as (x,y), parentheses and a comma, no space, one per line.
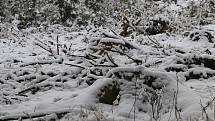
(45,74)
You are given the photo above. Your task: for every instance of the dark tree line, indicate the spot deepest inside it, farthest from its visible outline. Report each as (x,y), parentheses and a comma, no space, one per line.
(146,17)
(37,12)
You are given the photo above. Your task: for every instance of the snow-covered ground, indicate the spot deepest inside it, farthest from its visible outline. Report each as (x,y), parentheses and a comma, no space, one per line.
(96,75)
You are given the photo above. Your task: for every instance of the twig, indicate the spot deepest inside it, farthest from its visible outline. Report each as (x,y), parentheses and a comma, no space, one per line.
(44,47)
(121,53)
(70,47)
(101,65)
(35,88)
(111,60)
(177,111)
(135,97)
(75,65)
(170,112)
(155,42)
(58,52)
(204,108)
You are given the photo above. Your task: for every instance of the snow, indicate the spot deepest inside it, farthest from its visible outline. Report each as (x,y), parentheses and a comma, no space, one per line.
(35,80)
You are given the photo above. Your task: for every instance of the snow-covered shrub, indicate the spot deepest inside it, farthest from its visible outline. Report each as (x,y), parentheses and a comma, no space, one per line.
(176,68)
(193,59)
(201,35)
(159,25)
(197,73)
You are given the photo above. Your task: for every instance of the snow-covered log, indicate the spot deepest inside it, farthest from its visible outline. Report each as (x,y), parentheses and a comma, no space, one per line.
(34,115)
